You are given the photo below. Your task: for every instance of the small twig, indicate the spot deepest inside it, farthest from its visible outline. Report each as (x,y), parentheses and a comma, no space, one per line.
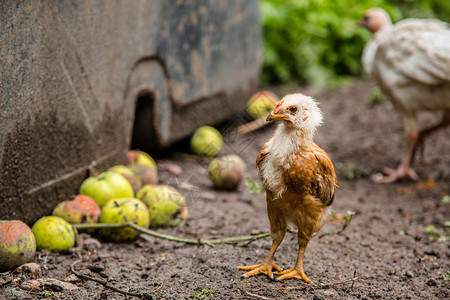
(3,284)
(105,284)
(255,295)
(44,263)
(253,125)
(157,288)
(199,241)
(353,282)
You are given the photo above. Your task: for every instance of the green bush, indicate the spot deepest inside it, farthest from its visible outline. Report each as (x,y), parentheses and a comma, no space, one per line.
(317,42)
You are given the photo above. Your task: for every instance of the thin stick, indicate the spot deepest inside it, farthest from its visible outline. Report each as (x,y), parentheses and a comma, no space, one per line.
(255,295)
(3,284)
(353,282)
(253,125)
(232,240)
(105,284)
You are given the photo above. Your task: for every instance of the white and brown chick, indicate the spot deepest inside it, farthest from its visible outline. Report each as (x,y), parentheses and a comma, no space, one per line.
(410,61)
(299,180)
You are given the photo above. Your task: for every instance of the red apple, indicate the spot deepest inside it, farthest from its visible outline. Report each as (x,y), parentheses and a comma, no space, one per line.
(82,209)
(17,244)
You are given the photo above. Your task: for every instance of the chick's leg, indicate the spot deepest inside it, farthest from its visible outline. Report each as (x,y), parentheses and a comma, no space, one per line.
(423,134)
(410,124)
(278,229)
(297,271)
(403,170)
(267,265)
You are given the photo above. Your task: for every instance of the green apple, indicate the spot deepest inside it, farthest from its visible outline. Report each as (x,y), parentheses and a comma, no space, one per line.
(261,104)
(227,171)
(129,175)
(106,186)
(136,157)
(167,207)
(53,234)
(122,210)
(17,244)
(206,141)
(82,209)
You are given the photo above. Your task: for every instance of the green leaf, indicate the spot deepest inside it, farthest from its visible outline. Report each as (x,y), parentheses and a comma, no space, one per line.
(447,276)
(349,215)
(253,186)
(430,229)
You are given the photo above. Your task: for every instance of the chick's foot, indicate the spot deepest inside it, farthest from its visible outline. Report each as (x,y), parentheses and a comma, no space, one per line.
(397,174)
(293,273)
(264,268)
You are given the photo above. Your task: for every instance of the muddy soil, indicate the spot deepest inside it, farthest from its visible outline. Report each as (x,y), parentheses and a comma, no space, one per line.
(384,253)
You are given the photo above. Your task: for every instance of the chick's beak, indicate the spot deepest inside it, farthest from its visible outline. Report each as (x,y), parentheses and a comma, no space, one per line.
(275,115)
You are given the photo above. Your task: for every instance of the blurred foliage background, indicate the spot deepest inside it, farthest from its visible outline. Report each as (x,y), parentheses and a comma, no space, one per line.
(317,42)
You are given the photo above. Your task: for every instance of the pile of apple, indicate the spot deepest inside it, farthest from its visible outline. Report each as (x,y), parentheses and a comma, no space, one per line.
(122,194)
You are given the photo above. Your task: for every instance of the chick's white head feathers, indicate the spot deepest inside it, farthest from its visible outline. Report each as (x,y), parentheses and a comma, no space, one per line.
(299,112)
(375,19)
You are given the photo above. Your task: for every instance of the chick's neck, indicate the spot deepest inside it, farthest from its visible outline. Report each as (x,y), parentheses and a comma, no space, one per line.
(293,137)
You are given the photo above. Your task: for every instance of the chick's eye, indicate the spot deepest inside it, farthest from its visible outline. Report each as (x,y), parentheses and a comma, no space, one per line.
(293,109)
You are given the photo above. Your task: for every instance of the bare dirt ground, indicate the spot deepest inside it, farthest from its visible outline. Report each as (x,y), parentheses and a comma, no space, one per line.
(385,252)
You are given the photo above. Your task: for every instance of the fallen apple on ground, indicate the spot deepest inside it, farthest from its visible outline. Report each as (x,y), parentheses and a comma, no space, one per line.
(53,234)
(206,141)
(106,186)
(129,175)
(121,210)
(226,172)
(166,206)
(136,157)
(17,244)
(82,209)
(143,167)
(145,174)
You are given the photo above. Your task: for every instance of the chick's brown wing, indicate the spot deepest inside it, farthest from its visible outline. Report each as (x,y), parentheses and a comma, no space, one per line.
(312,172)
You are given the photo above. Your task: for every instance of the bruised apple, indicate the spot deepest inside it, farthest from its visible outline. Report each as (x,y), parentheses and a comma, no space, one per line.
(53,234)
(226,172)
(166,206)
(143,166)
(122,210)
(136,157)
(82,209)
(129,175)
(106,186)
(17,244)
(145,174)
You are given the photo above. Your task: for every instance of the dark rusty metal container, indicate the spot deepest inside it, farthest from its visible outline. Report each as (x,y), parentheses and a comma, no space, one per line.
(83,81)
